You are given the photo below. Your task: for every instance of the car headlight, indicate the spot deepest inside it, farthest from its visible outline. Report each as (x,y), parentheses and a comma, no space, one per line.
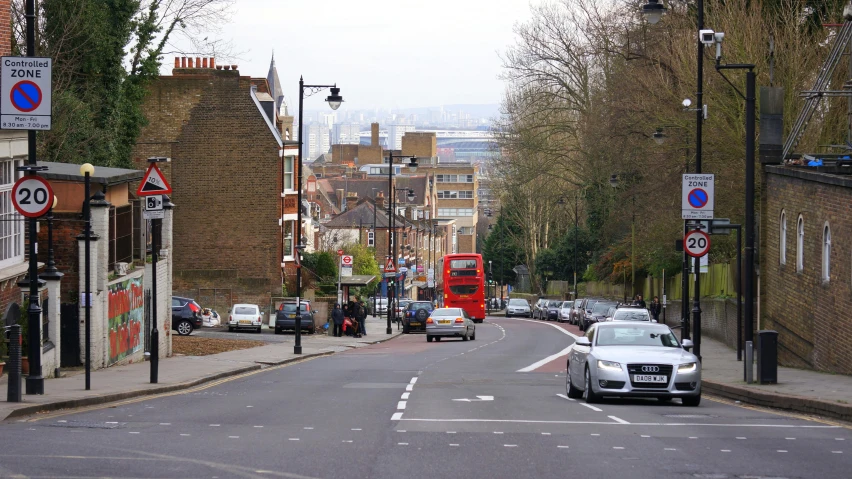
(687,368)
(611,365)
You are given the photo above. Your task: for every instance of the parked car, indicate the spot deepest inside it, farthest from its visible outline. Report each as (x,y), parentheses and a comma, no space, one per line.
(186,315)
(632,314)
(577,311)
(598,314)
(415,315)
(587,312)
(632,359)
(381,306)
(552,310)
(245,316)
(565,311)
(518,307)
(285,317)
(453,322)
(400,307)
(539,309)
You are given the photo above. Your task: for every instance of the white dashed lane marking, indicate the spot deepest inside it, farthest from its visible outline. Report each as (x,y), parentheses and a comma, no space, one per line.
(593,408)
(401,404)
(405,395)
(454,445)
(413,380)
(563,447)
(618,420)
(396,416)
(670,449)
(402,444)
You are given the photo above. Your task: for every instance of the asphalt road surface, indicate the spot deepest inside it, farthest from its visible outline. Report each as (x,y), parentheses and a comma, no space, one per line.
(489,408)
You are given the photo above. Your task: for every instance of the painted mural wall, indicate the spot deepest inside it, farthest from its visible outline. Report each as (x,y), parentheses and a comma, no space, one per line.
(126,319)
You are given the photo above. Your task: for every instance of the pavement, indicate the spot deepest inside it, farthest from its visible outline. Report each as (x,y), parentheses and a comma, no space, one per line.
(181,372)
(492,407)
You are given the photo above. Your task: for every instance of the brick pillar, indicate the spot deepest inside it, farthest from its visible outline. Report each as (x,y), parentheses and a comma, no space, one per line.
(5,27)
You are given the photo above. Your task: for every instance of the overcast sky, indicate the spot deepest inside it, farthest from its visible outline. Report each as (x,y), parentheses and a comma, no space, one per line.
(381,53)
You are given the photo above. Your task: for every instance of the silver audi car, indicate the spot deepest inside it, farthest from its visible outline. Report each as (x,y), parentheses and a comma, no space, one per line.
(633,359)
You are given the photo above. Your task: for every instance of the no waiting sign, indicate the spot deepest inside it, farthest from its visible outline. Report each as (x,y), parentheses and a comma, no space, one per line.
(25,93)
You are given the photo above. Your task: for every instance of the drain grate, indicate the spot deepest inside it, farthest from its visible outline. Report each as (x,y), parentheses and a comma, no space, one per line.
(90,425)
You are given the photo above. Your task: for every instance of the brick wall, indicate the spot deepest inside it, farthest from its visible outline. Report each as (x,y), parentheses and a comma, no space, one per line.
(812,316)
(5,27)
(421,144)
(225,173)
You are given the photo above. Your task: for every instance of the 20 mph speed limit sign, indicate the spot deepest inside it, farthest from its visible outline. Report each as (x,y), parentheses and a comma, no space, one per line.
(696,243)
(32,196)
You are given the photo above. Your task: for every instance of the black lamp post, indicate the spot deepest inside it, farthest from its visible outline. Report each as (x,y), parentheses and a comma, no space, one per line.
(87,170)
(392,229)
(653,11)
(334,100)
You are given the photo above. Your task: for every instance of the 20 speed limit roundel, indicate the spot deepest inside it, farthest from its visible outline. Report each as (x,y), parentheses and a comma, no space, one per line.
(32,196)
(696,243)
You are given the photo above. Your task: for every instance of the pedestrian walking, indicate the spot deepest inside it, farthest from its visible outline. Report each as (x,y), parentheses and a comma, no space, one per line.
(640,302)
(656,308)
(362,316)
(337,319)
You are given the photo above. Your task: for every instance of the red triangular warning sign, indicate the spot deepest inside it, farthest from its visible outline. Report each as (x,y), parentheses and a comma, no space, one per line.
(390,267)
(154,183)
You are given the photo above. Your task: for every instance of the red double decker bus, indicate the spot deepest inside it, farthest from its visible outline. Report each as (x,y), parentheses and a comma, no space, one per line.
(460,283)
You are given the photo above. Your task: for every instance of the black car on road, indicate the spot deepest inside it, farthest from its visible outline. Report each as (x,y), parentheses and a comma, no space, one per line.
(186,315)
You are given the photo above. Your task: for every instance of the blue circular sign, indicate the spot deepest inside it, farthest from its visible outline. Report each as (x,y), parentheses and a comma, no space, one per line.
(26,96)
(698,198)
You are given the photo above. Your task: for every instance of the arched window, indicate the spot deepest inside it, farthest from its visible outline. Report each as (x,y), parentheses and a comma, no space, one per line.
(782,237)
(826,252)
(800,244)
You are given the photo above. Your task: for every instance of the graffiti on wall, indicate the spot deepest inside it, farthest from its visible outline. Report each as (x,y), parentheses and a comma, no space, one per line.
(126,301)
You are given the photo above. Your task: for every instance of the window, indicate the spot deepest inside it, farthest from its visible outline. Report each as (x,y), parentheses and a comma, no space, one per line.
(800,244)
(371,238)
(466,230)
(11,224)
(782,237)
(288,173)
(826,252)
(455,212)
(455,195)
(288,232)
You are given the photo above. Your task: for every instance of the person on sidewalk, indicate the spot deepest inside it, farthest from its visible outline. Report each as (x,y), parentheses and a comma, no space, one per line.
(656,308)
(362,316)
(337,319)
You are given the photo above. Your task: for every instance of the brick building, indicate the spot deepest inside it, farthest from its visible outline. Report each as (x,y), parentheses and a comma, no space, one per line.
(806,266)
(233,176)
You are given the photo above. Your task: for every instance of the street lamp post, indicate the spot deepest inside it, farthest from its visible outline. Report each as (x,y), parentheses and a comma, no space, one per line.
(613,181)
(87,170)
(334,100)
(392,230)
(653,10)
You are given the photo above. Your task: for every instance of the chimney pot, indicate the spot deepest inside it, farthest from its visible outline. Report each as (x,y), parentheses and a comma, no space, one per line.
(204,62)
(227,67)
(183,62)
(197,62)
(212,62)
(189,62)
(177,62)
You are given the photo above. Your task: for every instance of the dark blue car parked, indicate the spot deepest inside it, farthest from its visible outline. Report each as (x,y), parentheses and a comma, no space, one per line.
(415,315)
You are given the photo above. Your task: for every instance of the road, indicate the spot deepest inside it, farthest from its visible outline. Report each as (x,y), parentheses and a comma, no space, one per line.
(408,408)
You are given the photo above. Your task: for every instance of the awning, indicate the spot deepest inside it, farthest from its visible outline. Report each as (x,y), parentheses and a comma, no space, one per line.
(357,280)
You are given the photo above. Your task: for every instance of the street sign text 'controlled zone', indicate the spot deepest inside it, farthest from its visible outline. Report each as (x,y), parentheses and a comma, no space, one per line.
(698,197)
(25,93)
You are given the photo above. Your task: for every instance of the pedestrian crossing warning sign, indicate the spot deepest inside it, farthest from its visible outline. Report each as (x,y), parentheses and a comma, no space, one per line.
(154,183)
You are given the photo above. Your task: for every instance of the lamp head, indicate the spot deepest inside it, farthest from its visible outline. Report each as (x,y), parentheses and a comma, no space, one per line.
(686,103)
(659,137)
(613,181)
(653,11)
(87,169)
(410,195)
(412,165)
(334,100)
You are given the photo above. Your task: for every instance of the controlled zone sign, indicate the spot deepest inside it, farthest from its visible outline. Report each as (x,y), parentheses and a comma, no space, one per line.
(32,196)
(154,183)
(696,243)
(698,197)
(25,93)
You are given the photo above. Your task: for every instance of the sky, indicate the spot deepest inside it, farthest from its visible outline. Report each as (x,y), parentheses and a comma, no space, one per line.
(381,53)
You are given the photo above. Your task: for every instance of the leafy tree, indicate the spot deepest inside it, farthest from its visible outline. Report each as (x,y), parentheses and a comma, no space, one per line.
(364,263)
(502,251)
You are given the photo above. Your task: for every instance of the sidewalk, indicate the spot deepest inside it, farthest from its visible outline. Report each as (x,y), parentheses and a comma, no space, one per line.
(176,373)
(799,390)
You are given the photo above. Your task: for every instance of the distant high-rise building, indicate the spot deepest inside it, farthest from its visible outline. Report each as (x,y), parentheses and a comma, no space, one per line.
(395,134)
(346,134)
(317,140)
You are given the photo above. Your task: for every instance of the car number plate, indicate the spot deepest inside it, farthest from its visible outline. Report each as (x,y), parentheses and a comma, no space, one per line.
(444,321)
(647,378)
(245,321)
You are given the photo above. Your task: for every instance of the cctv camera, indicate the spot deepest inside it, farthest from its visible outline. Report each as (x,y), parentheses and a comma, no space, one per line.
(707,37)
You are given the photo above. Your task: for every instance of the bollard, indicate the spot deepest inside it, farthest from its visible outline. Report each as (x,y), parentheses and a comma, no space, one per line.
(155,354)
(13,392)
(749,362)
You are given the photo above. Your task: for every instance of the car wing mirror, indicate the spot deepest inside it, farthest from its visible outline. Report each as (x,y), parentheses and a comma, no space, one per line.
(687,344)
(582,341)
